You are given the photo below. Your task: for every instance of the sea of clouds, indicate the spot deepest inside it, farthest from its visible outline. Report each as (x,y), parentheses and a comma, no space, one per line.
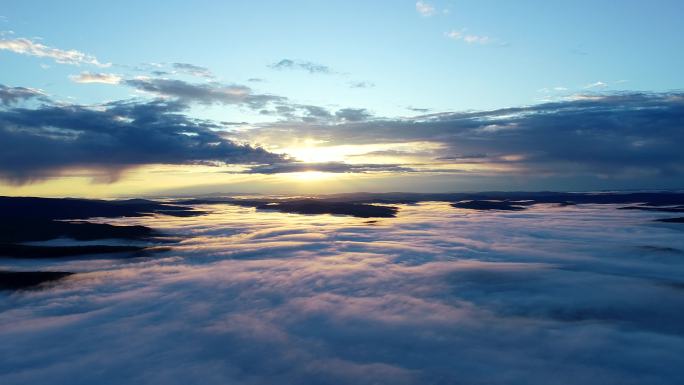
(552,295)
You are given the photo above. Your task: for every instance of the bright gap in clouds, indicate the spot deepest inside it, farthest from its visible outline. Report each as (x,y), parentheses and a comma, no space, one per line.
(316,151)
(311,176)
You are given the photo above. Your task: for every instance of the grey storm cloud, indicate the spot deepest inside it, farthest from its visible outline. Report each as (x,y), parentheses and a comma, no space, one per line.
(599,134)
(205,93)
(333,167)
(44,141)
(312,68)
(12,95)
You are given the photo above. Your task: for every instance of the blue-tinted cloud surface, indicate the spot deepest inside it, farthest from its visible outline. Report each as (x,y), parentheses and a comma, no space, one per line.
(565,295)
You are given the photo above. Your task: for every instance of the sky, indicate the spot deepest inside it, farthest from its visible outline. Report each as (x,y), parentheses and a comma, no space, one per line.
(148,98)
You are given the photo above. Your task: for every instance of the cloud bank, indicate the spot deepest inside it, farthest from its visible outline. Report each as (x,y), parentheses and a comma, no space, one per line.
(37,143)
(435,296)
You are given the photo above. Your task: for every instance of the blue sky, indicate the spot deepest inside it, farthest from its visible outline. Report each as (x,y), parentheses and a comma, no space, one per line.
(625,44)
(391,60)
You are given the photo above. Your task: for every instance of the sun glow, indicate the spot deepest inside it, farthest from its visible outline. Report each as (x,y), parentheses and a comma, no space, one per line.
(313,151)
(311,176)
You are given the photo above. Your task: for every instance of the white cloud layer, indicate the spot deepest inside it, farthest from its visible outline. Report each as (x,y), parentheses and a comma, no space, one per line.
(438,295)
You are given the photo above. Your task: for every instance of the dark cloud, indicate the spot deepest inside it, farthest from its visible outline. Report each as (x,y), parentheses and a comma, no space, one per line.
(462,157)
(235,94)
(12,95)
(41,142)
(291,112)
(193,70)
(315,113)
(205,93)
(353,114)
(420,110)
(312,68)
(615,135)
(333,167)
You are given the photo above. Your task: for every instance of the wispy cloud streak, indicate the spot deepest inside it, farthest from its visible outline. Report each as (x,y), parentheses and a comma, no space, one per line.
(29,47)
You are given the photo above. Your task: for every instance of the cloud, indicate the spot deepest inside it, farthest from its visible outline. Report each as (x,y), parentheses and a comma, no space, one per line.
(362,84)
(90,77)
(193,70)
(53,139)
(435,296)
(205,93)
(464,157)
(425,9)
(228,94)
(307,113)
(28,47)
(12,95)
(312,68)
(332,167)
(418,109)
(469,38)
(598,84)
(315,112)
(632,136)
(353,114)
(550,90)
(202,93)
